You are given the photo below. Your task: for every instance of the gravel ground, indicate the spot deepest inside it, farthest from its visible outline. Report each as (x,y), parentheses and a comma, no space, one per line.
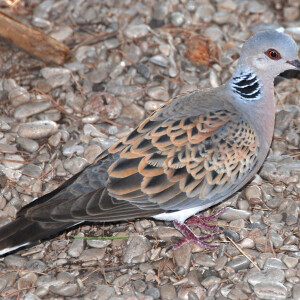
(129,58)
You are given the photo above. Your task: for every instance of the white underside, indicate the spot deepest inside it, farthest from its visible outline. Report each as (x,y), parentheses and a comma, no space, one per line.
(179,216)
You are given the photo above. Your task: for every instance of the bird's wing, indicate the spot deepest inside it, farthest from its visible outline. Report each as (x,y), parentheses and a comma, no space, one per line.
(182,161)
(186,153)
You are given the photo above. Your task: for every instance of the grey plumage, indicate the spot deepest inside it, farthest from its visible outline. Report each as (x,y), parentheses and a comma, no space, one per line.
(190,154)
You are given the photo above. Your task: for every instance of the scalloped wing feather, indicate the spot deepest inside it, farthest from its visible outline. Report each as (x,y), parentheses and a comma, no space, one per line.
(183,162)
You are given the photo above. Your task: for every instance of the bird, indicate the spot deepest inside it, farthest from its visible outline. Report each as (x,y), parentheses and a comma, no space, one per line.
(193,152)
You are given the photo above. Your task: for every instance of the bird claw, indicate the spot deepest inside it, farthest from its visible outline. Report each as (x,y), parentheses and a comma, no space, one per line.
(190,237)
(200,221)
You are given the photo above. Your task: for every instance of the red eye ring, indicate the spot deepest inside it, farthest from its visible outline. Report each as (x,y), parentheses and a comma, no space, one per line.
(273,54)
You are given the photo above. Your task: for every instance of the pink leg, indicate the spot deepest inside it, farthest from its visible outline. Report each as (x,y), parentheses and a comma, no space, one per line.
(190,237)
(201,221)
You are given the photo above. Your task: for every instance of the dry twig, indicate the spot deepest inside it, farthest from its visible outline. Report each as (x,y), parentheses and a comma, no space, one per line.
(33,41)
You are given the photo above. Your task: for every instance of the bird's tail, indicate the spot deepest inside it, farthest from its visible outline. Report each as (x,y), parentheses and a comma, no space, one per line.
(23,232)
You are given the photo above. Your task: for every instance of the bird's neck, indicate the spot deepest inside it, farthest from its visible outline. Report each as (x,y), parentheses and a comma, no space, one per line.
(246,85)
(254,96)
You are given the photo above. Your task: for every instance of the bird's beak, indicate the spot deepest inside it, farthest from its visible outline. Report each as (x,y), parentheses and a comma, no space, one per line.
(295,63)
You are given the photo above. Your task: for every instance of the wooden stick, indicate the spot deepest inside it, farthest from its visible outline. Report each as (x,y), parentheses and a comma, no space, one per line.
(33,41)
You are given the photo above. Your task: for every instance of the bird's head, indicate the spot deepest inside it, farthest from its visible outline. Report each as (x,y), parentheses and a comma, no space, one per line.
(270,53)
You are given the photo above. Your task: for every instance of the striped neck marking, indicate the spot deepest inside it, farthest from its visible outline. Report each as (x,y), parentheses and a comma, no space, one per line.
(246,85)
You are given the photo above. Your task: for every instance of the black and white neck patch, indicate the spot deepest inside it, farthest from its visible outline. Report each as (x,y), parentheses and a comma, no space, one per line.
(246,85)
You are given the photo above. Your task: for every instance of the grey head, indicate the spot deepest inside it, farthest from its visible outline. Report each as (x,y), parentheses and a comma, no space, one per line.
(269,53)
(264,56)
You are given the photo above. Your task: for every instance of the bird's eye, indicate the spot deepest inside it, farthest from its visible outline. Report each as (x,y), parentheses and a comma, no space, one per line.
(273,54)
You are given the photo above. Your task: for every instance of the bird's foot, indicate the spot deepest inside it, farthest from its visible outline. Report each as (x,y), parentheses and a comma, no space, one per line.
(200,221)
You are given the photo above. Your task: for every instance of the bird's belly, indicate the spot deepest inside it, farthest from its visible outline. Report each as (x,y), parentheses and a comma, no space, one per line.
(180,215)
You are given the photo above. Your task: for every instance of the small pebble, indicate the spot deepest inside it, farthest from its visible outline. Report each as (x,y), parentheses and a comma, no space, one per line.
(193,278)
(37,129)
(91,152)
(49,72)
(76,247)
(29,109)
(167,233)
(243,204)
(253,192)
(2,284)
(67,290)
(139,285)
(271,290)
(177,18)
(112,43)
(120,281)
(296,292)
(276,238)
(62,33)
(210,280)
(134,112)
(239,263)
(182,257)
(27,144)
(136,250)
(158,93)
(247,243)
(136,31)
(35,265)
(18,96)
(153,292)
(106,292)
(59,80)
(291,262)
(291,13)
(5,148)
(27,281)
(204,260)
(291,240)
(227,5)
(14,261)
(32,170)
(257,7)
(214,33)
(291,248)
(13,161)
(160,61)
(153,105)
(143,70)
(100,74)
(55,139)
(235,214)
(273,275)
(92,254)
(274,202)
(231,234)
(167,292)
(75,165)
(220,263)
(294,32)
(75,149)
(204,12)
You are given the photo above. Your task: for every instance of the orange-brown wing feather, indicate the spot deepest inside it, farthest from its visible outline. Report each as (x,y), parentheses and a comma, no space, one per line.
(176,163)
